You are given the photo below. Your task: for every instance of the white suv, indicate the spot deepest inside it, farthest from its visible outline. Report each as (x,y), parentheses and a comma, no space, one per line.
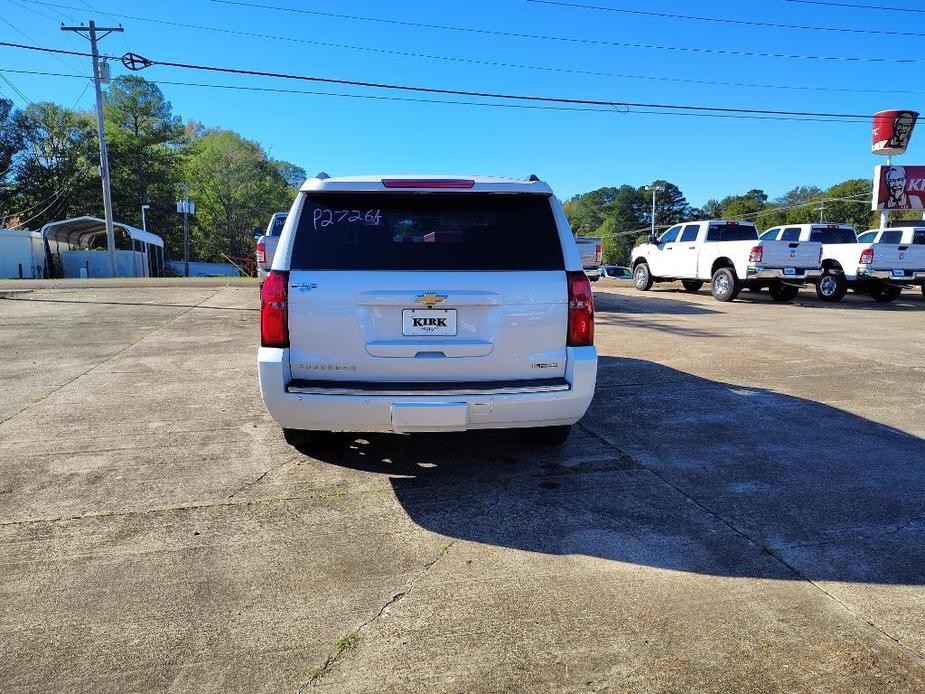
(409,304)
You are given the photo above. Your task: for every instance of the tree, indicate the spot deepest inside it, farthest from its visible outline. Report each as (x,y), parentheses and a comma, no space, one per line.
(54,170)
(293,175)
(735,206)
(854,206)
(145,141)
(671,206)
(236,188)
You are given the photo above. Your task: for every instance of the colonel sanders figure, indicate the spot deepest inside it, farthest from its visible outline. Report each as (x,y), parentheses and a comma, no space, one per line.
(897,198)
(902,129)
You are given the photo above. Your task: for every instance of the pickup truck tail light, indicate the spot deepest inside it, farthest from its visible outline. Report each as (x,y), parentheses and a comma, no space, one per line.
(755,255)
(580,310)
(820,255)
(867,256)
(597,254)
(274,310)
(261,253)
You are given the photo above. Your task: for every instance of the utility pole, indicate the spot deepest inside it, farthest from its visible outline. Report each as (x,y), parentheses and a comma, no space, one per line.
(822,211)
(655,189)
(90,32)
(185,208)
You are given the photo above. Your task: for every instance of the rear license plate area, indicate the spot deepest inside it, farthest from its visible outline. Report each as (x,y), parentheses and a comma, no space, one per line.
(408,416)
(790,271)
(899,273)
(428,321)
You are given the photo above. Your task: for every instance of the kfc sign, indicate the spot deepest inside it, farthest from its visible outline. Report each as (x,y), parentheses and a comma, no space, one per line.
(892,130)
(899,188)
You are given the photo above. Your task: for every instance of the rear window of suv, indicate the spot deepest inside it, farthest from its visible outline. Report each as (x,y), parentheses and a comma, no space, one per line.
(426,231)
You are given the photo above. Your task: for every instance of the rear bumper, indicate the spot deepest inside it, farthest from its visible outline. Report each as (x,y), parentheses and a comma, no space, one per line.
(911,276)
(343,409)
(593,274)
(757,272)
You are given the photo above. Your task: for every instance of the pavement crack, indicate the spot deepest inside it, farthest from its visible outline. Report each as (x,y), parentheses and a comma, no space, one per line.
(350,641)
(760,546)
(195,506)
(266,472)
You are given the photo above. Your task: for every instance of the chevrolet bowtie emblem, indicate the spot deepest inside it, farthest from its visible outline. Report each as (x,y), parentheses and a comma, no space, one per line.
(429,299)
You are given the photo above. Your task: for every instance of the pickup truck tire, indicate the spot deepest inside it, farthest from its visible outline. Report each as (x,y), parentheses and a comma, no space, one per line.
(831,286)
(642,278)
(783,292)
(547,436)
(692,286)
(725,286)
(886,293)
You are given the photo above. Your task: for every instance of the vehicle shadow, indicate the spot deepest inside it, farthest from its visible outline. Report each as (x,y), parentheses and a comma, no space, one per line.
(677,472)
(636,302)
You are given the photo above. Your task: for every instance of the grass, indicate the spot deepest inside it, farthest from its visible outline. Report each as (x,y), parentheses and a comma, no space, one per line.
(344,643)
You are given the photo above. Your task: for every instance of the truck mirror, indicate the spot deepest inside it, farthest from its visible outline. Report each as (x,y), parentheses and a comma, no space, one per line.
(257,233)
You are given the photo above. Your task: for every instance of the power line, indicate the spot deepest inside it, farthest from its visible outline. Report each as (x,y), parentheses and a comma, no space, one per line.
(726,20)
(546,37)
(614,103)
(379,97)
(855,6)
(493,63)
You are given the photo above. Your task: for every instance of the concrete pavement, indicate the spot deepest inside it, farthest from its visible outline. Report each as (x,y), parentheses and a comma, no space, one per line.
(743,509)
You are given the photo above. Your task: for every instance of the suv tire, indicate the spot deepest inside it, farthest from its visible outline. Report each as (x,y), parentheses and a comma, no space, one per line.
(548,436)
(783,292)
(692,286)
(725,286)
(832,286)
(642,278)
(886,293)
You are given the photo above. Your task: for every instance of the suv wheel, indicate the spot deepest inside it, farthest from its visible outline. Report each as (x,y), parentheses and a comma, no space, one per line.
(548,436)
(831,286)
(642,278)
(783,292)
(725,285)
(691,286)
(886,293)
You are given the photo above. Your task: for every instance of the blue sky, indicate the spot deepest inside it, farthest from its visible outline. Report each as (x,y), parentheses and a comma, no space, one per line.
(574,151)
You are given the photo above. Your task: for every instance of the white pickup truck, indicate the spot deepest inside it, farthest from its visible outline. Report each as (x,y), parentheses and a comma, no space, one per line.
(729,255)
(879,262)
(266,244)
(589,247)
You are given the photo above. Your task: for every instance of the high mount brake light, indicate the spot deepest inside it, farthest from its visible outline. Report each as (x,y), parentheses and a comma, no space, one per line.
(580,310)
(867,256)
(755,255)
(427,183)
(274,310)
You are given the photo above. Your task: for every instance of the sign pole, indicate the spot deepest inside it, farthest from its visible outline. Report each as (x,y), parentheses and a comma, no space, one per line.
(885,213)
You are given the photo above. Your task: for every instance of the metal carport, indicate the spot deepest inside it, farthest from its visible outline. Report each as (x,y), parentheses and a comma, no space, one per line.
(75,243)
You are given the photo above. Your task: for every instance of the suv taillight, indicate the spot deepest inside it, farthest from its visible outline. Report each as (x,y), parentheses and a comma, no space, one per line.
(867,256)
(580,310)
(597,254)
(274,310)
(755,255)
(261,253)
